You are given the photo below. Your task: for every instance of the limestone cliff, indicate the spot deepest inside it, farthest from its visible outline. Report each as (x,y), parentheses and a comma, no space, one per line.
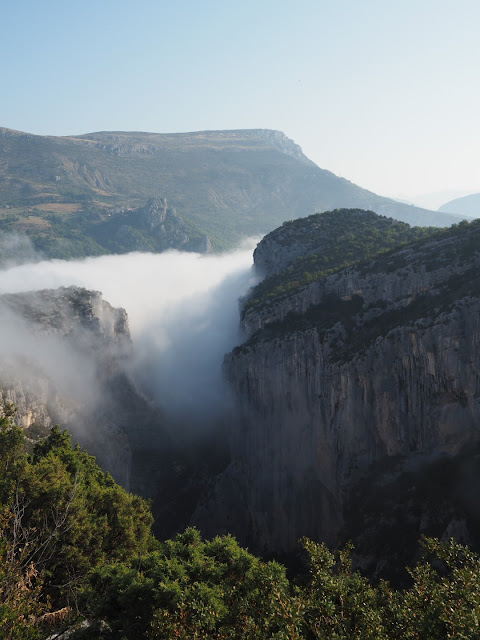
(71,312)
(65,359)
(376,363)
(153,227)
(60,352)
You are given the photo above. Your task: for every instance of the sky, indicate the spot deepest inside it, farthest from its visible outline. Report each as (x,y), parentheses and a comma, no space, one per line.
(381,92)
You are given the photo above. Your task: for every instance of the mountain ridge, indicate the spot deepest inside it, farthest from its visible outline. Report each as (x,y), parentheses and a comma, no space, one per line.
(228,184)
(466,205)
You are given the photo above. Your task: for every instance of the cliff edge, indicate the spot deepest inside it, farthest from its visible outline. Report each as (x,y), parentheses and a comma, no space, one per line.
(373,365)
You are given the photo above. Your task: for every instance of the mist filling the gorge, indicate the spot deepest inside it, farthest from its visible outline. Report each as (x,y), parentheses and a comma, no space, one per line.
(183,316)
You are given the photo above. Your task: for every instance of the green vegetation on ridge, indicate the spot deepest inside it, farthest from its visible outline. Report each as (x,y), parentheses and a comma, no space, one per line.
(329,242)
(227,184)
(350,324)
(94,231)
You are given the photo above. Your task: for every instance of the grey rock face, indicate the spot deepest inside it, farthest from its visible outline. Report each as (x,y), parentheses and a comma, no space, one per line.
(31,397)
(394,280)
(154,213)
(66,328)
(69,311)
(283,143)
(156,226)
(365,365)
(310,422)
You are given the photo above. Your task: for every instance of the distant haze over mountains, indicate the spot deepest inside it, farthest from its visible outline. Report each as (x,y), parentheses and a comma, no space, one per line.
(436,199)
(228,184)
(466,206)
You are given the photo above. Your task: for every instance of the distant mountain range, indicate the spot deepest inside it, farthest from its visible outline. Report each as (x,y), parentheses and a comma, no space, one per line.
(466,206)
(433,200)
(222,185)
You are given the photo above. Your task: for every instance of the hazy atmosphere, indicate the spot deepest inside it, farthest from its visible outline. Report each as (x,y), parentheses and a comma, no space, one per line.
(384,94)
(183,317)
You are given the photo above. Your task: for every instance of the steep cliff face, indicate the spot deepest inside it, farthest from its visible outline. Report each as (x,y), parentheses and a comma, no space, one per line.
(391,280)
(310,421)
(378,362)
(31,394)
(61,349)
(65,359)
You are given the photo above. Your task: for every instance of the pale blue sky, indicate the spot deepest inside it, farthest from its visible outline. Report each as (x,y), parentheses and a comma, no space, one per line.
(385,93)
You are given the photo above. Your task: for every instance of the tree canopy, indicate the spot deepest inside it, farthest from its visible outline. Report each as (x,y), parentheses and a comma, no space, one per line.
(77,554)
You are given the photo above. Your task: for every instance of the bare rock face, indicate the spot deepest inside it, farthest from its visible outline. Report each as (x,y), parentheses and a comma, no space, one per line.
(31,397)
(154,213)
(156,227)
(61,348)
(69,311)
(65,356)
(377,363)
(311,422)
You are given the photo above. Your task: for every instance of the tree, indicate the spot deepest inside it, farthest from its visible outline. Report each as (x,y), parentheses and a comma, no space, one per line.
(444,599)
(193,589)
(337,602)
(20,592)
(63,517)
(74,546)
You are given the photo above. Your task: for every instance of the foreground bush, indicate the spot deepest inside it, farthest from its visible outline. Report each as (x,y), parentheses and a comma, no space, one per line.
(77,555)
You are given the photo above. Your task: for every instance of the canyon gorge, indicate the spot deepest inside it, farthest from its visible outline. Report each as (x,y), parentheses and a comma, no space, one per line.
(348,388)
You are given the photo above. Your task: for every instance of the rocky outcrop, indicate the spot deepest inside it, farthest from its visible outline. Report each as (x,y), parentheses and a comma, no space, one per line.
(311,421)
(65,360)
(32,397)
(284,144)
(154,227)
(64,347)
(154,214)
(71,312)
(374,364)
(394,279)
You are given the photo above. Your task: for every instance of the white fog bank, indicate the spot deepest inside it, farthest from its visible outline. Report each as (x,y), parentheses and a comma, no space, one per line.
(183,313)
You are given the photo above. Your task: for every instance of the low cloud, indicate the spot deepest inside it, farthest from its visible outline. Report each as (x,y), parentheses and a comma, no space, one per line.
(16,249)
(183,313)
(27,353)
